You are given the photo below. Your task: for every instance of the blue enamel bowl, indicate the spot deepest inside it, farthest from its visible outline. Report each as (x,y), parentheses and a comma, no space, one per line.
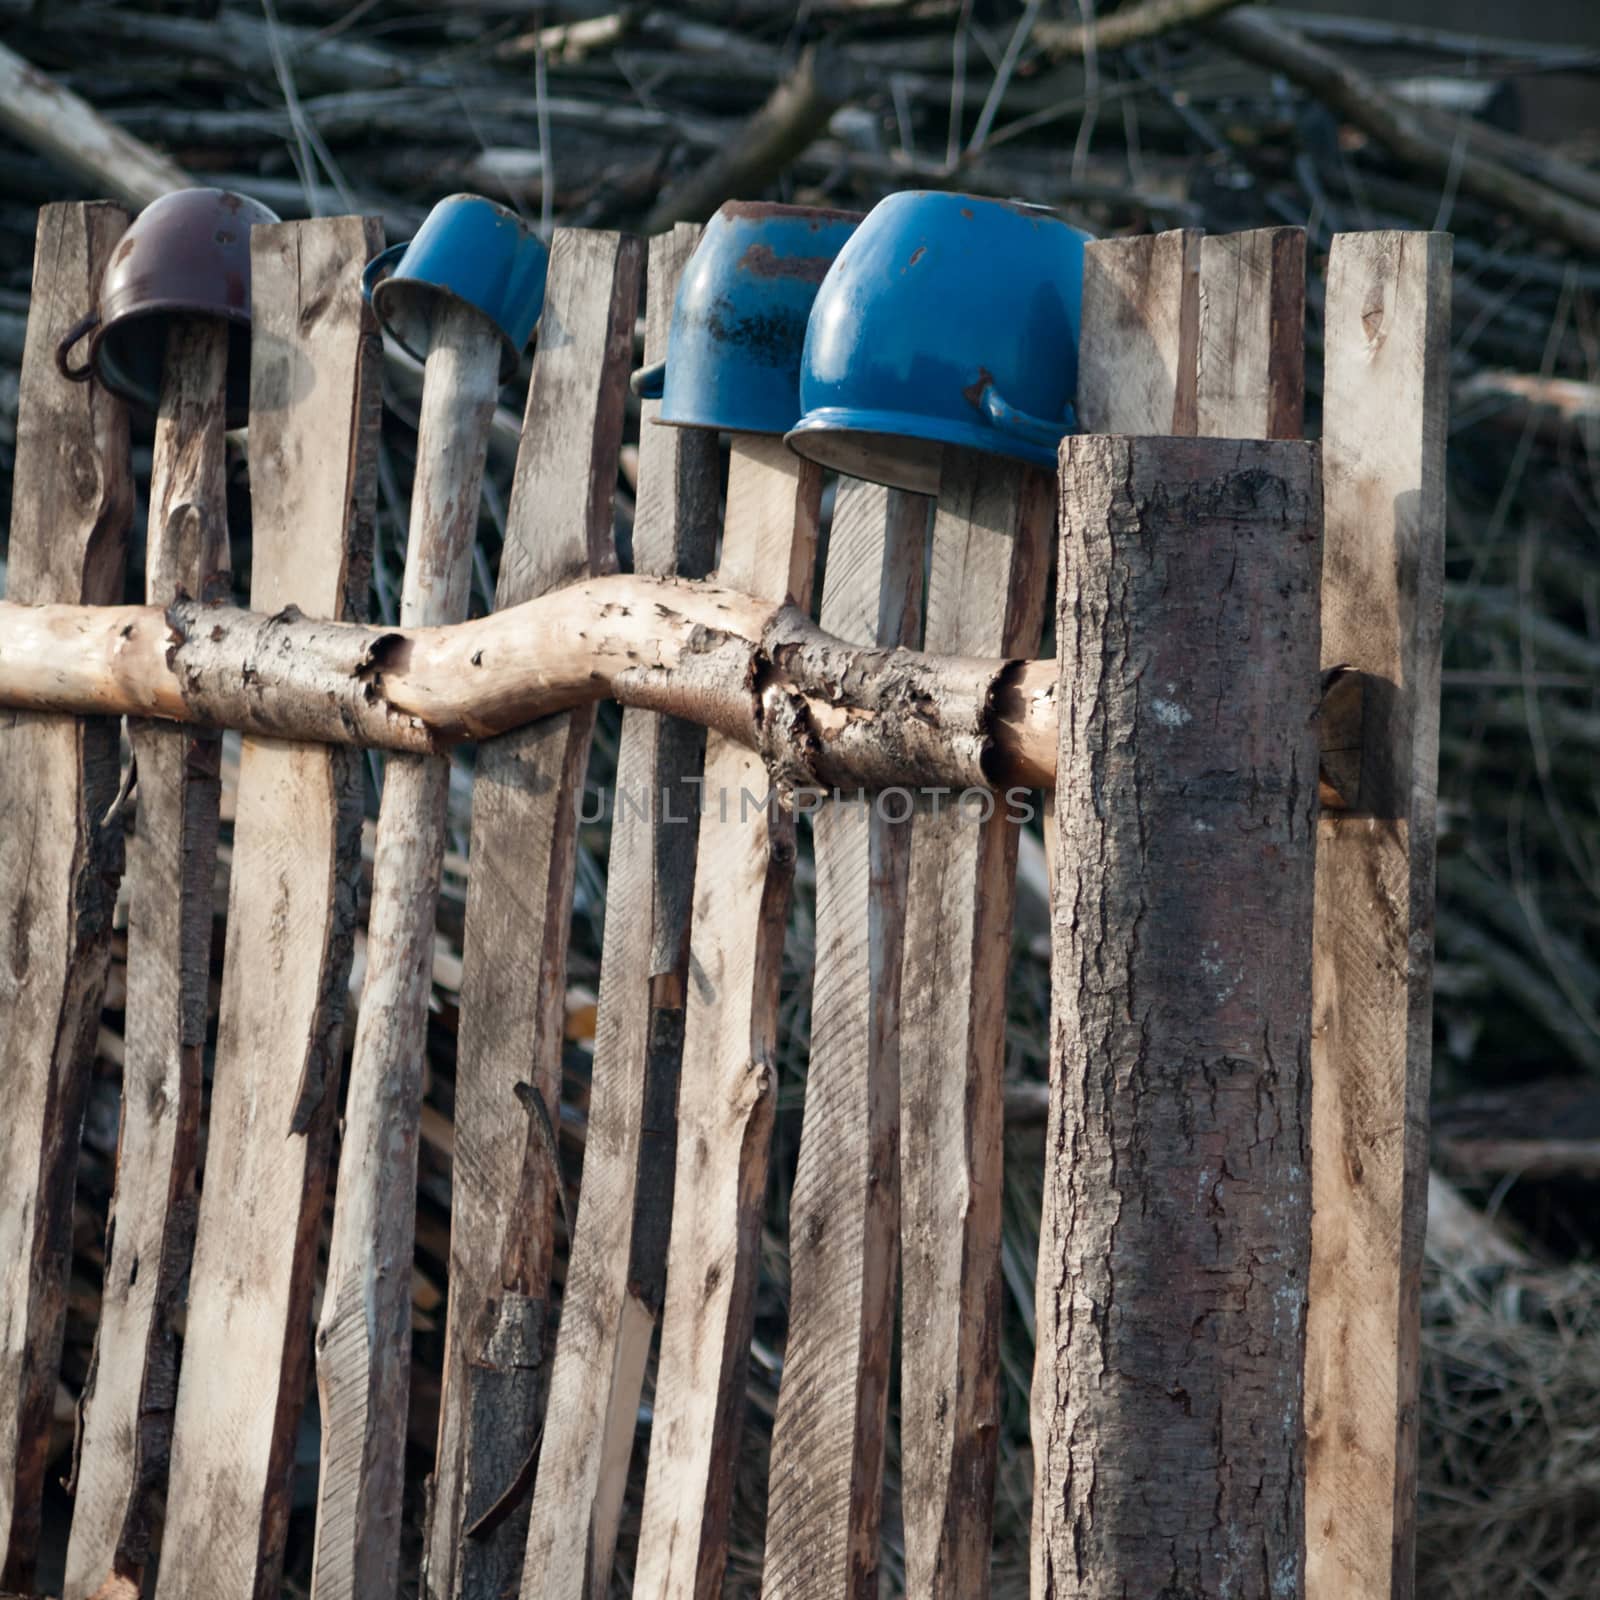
(948,320)
(471,250)
(739,321)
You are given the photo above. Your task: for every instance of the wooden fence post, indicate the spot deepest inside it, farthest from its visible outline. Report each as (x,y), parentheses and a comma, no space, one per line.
(364,1333)
(825,1493)
(525,800)
(1176,1227)
(1385,402)
(727,1094)
(291,926)
(60,854)
(616,1271)
(987,580)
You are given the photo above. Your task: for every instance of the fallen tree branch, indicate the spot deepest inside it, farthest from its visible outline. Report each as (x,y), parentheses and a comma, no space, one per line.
(820,711)
(797,112)
(1357,98)
(1131,25)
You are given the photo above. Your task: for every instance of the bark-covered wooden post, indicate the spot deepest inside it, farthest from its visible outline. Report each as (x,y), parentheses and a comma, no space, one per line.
(1177,1213)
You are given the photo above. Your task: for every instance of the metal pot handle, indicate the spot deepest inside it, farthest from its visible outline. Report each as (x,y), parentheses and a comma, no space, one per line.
(648,383)
(374,268)
(84,325)
(1022,425)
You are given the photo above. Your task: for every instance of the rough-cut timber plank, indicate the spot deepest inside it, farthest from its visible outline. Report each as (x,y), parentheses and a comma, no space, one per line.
(59,858)
(1141,330)
(727,1091)
(128,1407)
(1385,398)
(1252,346)
(291,925)
(1175,1236)
(617,1266)
(519,906)
(826,1484)
(986,595)
(364,1335)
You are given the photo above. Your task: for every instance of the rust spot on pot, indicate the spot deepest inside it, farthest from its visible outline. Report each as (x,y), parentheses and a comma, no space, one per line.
(917,255)
(973,393)
(764,262)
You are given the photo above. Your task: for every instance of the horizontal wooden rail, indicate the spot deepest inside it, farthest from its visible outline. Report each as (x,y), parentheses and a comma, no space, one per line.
(822,712)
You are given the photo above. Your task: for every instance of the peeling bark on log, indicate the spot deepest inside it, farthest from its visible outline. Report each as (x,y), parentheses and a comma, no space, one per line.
(364,1335)
(1176,1230)
(128,1409)
(291,927)
(615,1273)
(60,855)
(829,712)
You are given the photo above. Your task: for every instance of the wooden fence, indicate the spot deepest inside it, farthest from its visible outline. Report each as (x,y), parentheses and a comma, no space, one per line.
(1235,1187)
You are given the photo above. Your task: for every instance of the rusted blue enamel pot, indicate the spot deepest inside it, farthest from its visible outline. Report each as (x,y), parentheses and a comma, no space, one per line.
(949,320)
(467,249)
(185,255)
(739,322)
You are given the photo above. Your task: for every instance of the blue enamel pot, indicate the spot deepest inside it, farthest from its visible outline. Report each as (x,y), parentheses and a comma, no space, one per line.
(467,249)
(739,322)
(947,320)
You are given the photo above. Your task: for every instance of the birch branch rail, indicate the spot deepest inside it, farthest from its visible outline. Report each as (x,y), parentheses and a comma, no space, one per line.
(819,710)
(823,713)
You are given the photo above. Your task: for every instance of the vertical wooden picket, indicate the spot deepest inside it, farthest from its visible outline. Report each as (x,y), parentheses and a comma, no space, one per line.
(60,853)
(128,1409)
(826,1482)
(986,596)
(525,803)
(291,926)
(617,1267)
(1385,401)
(728,1089)
(364,1333)
(1251,365)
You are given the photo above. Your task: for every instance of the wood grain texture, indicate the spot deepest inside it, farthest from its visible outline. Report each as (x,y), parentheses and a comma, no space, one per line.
(60,860)
(616,1268)
(986,595)
(519,906)
(364,1333)
(291,925)
(1175,1234)
(1141,332)
(826,1484)
(1252,345)
(128,1403)
(1385,404)
(728,1090)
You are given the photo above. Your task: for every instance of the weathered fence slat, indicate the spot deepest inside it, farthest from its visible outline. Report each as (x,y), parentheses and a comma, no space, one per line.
(1252,345)
(986,595)
(291,925)
(617,1266)
(1141,334)
(519,906)
(128,1409)
(1175,1234)
(364,1334)
(825,1488)
(1385,399)
(727,1090)
(60,855)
